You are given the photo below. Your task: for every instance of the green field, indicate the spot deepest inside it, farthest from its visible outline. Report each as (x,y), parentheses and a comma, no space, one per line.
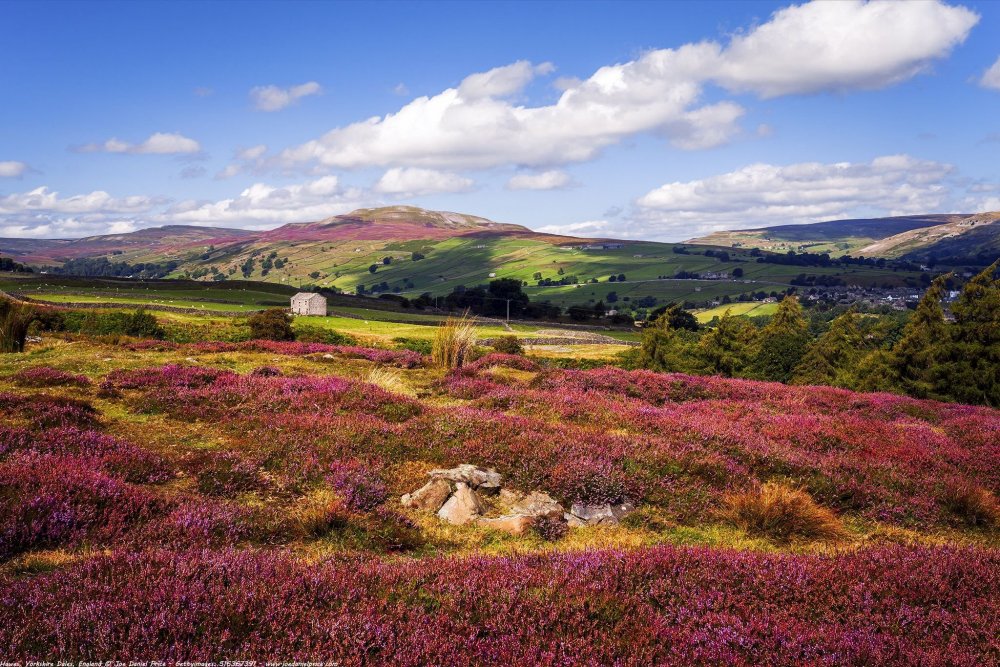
(752,309)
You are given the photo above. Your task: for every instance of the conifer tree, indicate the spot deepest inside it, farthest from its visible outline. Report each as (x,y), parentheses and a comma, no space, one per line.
(916,362)
(782,342)
(665,348)
(973,365)
(728,349)
(831,358)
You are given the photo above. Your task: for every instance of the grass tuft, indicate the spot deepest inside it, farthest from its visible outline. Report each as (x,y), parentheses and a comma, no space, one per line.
(973,504)
(782,513)
(453,342)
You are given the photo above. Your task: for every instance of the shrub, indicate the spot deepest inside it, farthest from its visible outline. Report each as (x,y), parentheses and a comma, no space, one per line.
(782,513)
(508,345)
(266,372)
(419,345)
(308,334)
(271,324)
(550,528)
(360,488)
(44,376)
(454,341)
(227,475)
(15,318)
(972,504)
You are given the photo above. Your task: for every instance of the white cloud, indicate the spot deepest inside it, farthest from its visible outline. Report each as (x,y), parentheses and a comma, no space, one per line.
(43,213)
(764,194)
(586,228)
(844,45)
(273,98)
(245,160)
(991,77)
(263,206)
(821,46)
(413,181)
(401,89)
(545,180)
(159,143)
(13,169)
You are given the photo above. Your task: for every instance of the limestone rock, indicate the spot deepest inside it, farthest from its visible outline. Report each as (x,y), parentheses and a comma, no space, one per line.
(574,521)
(538,504)
(595,514)
(510,496)
(515,524)
(474,476)
(462,507)
(431,496)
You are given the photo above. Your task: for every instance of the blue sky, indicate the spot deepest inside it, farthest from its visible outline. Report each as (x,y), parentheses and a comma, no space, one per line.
(639,120)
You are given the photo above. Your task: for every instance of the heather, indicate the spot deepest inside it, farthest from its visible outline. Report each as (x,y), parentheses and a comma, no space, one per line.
(243,500)
(664,605)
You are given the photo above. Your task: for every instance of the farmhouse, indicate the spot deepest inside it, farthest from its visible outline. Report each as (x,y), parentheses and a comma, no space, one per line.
(309,303)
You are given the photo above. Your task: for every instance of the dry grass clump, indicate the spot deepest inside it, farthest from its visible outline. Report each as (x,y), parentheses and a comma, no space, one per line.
(316,515)
(389,380)
(973,504)
(782,513)
(453,342)
(15,318)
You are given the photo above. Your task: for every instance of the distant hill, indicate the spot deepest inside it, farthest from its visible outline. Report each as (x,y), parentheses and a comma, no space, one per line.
(915,237)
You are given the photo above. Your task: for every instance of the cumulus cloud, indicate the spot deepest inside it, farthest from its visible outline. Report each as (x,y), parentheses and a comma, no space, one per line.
(586,228)
(553,179)
(991,77)
(414,181)
(821,46)
(244,160)
(42,213)
(273,98)
(765,194)
(13,169)
(262,206)
(843,45)
(159,143)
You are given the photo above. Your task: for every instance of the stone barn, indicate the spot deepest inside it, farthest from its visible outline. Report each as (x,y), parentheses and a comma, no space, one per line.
(309,303)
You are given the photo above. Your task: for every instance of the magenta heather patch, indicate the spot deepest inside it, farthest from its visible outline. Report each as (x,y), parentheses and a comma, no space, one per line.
(650,606)
(44,376)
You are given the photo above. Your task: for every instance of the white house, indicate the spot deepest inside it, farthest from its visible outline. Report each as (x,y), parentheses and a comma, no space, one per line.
(309,303)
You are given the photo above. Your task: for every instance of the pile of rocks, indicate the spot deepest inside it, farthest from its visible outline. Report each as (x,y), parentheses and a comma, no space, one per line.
(456,495)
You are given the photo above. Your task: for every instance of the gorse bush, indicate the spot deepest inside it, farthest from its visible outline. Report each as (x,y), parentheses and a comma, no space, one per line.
(782,513)
(454,342)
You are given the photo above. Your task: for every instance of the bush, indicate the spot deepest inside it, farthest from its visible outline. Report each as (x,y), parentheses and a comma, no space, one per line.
(782,513)
(972,504)
(508,345)
(550,528)
(453,342)
(418,345)
(15,318)
(271,324)
(307,334)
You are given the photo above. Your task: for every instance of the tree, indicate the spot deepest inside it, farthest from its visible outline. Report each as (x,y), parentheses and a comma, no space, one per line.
(916,361)
(271,324)
(373,268)
(832,358)
(728,349)
(677,316)
(973,359)
(387,260)
(782,342)
(665,348)
(738,272)
(417,256)
(503,290)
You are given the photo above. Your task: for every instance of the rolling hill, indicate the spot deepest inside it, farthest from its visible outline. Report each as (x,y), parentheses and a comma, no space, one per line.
(914,237)
(410,251)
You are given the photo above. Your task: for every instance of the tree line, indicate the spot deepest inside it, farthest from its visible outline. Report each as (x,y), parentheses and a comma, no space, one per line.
(932,355)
